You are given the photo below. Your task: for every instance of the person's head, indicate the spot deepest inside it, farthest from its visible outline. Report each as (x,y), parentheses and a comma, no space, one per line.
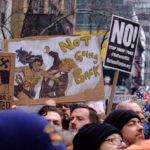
(66,109)
(36,64)
(128,122)
(67,64)
(96,136)
(142,145)
(82,114)
(47,48)
(132,106)
(21,130)
(67,137)
(134,93)
(53,115)
(107,80)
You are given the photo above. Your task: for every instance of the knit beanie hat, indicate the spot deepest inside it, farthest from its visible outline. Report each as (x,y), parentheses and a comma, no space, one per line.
(24,131)
(120,117)
(90,136)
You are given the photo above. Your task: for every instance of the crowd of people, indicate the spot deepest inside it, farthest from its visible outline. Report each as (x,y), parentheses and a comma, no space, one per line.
(76,126)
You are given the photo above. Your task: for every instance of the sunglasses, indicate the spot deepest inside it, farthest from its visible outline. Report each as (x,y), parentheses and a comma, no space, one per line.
(65,105)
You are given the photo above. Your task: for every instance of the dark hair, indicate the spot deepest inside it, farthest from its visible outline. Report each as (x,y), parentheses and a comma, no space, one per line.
(65,105)
(37,59)
(133,90)
(43,111)
(93,116)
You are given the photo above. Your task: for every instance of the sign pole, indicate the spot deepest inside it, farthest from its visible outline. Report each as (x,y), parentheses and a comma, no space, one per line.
(115,79)
(122,43)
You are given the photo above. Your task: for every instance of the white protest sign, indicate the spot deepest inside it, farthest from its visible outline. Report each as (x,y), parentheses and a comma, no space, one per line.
(66,68)
(99,105)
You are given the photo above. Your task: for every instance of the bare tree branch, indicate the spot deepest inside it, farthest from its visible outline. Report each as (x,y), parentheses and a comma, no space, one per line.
(3,26)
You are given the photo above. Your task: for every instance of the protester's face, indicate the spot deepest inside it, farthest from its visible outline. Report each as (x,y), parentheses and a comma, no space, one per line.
(55,119)
(79,118)
(66,110)
(135,96)
(135,107)
(133,131)
(113,142)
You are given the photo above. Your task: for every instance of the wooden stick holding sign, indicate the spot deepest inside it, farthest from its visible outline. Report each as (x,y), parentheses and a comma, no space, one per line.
(112,92)
(121,48)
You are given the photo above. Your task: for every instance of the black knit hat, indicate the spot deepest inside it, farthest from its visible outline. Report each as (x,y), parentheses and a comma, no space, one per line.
(120,117)
(90,136)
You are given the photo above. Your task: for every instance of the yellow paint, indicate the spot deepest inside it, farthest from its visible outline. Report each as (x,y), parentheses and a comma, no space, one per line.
(79,56)
(140,102)
(68,61)
(76,43)
(63,45)
(103,47)
(86,39)
(79,77)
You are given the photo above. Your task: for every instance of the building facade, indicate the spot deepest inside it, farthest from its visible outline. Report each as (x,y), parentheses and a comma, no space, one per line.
(42,17)
(5,19)
(142,9)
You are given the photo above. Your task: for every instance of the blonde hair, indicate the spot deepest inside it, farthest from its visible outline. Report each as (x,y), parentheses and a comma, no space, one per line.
(69,61)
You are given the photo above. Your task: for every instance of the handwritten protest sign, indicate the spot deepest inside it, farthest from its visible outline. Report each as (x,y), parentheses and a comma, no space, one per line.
(7,65)
(66,68)
(122,44)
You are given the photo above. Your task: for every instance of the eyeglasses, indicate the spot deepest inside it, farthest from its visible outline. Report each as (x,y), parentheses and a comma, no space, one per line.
(115,141)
